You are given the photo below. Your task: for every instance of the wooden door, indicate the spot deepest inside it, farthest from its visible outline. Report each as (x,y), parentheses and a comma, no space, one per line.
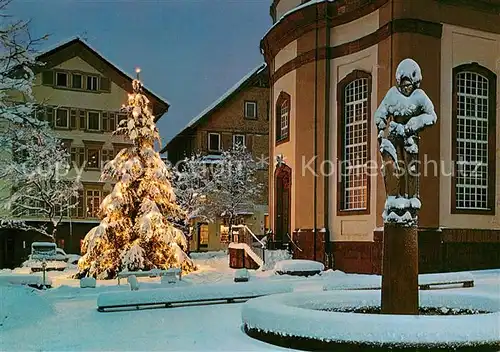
(282,227)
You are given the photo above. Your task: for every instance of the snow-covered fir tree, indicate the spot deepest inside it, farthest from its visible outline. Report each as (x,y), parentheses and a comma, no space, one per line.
(135,232)
(234,187)
(17,61)
(35,168)
(192,184)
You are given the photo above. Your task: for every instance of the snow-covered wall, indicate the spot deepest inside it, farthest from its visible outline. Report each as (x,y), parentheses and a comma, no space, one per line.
(463,46)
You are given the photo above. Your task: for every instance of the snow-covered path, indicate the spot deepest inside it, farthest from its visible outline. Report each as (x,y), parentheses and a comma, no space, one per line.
(77,326)
(66,319)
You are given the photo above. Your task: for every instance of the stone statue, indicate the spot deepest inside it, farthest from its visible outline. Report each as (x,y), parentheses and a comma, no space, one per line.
(403,113)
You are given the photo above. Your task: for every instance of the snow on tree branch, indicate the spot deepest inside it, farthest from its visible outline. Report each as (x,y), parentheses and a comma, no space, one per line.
(35,164)
(17,62)
(234,187)
(136,230)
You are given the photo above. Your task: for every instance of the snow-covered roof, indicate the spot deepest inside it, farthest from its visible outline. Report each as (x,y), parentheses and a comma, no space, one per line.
(222,98)
(295,9)
(74,39)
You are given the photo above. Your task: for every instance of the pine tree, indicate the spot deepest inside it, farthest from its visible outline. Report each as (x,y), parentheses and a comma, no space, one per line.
(135,232)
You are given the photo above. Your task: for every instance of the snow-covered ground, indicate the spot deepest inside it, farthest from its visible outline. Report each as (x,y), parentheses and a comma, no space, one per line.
(65,318)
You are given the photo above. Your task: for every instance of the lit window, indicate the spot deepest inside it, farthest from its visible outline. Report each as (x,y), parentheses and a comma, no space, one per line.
(203,235)
(93,201)
(93,158)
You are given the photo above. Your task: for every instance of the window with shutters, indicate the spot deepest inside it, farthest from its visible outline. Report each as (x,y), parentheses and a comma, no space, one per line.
(77,211)
(62,118)
(121,117)
(48,78)
(105,121)
(93,158)
(92,83)
(93,121)
(61,79)
(93,201)
(112,122)
(105,84)
(76,81)
(77,157)
(107,155)
(82,119)
(72,119)
(49,115)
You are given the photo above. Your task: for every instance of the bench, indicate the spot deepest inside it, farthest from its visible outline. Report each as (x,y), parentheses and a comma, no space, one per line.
(427,280)
(169,273)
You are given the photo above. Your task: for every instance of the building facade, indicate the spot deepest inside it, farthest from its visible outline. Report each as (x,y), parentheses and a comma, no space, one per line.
(330,64)
(82,93)
(241,115)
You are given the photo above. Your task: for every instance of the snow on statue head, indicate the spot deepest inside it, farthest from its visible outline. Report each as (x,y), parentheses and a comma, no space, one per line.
(403,113)
(408,76)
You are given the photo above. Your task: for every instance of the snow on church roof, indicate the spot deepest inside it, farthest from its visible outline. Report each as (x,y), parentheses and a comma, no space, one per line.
(49,49)
(295,9)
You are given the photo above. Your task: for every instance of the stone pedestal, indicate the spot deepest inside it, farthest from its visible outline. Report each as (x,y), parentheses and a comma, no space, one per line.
(400,270)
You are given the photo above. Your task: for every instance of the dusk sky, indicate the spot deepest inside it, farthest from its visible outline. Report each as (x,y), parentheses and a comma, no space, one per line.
(190,51)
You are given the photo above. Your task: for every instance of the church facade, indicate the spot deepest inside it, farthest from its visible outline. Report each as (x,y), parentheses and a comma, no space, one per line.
(330,65)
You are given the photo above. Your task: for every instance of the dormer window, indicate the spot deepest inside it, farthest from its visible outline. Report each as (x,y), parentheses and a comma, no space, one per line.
(61,79)
(76,81)
(92,83)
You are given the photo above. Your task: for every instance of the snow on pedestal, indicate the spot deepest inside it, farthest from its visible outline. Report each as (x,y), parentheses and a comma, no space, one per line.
(133,282)
(403,113)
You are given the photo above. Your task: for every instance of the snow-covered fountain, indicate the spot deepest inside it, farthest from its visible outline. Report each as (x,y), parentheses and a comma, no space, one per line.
(397,318)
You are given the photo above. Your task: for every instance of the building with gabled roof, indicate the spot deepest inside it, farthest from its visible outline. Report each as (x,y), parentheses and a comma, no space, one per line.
(82,93)
(240,115)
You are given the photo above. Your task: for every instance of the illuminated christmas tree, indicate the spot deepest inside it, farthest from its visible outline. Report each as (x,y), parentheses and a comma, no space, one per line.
(136,232)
